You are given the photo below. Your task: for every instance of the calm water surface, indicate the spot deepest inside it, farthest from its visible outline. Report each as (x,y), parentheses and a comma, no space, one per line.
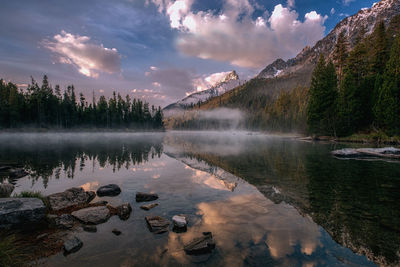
(268,200)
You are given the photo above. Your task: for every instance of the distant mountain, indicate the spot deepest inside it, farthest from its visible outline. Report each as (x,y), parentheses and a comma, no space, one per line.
(230,81)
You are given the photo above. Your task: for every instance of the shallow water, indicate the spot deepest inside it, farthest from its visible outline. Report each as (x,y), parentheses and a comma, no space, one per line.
(268,200)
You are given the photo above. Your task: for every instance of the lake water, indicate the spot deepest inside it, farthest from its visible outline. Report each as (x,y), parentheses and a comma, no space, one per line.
(268,200)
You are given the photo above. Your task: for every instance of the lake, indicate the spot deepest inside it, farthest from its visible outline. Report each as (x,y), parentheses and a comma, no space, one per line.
(268,200)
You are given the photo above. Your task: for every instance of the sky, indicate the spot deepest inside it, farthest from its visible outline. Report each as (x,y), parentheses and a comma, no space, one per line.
(156,50)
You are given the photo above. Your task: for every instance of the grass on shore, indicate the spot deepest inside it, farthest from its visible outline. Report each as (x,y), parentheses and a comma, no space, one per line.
(373,137)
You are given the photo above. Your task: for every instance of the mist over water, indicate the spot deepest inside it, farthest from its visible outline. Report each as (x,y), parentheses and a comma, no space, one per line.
(266,198)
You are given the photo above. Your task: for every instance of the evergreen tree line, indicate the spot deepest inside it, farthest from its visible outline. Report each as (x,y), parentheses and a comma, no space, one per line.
(43,106)
(359,90)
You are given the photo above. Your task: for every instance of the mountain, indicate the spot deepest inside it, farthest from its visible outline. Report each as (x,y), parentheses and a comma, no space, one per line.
(230,81)
(364,20)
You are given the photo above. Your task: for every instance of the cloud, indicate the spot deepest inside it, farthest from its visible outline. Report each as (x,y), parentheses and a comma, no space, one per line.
(88,58)
(347,2)
(291,3)
(333,11)
(234,35)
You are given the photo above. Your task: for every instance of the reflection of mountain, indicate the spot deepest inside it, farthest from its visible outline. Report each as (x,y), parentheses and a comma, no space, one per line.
(227,179)
(355,201)
(43,155)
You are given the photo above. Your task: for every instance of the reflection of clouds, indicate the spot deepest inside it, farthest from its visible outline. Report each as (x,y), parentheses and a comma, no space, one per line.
(156,176)
(250,219)
(90,186)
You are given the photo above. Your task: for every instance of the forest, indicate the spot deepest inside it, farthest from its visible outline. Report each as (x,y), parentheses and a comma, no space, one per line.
(41,106)
(359,91)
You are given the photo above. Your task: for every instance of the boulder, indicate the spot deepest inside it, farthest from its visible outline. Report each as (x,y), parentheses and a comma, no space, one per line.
(124,211)
(21,211)
(71,198)
(90,228)
(157,224)
(92,215)
(180,223)
(6,190)
(109,190)
(142,197)
(17,173)
(72,245)
(149,206)
(200,245)
(116,232)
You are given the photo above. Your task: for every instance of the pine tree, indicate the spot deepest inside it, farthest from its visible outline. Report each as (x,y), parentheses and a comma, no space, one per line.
(387,109)
(321,109)
(340,54)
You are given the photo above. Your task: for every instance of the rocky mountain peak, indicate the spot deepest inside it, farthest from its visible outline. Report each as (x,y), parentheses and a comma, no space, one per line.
(230,76)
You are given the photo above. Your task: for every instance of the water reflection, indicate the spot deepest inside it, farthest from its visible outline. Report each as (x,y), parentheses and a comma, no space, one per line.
(259,195)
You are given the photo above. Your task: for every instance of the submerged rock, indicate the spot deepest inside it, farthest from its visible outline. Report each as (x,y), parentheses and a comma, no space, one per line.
(21,211)
(142,197)
(6,190)
(17,173)
(157,224)
(90,228)
(109,190)
(73,197)
(116,231)
(200,245)
(72,245)
(92,215)
(180,223)
(124,211)
(65,221)
(149,206)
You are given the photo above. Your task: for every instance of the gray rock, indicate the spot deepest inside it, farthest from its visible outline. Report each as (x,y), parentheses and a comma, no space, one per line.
(72,245)
(92,215)
(200,245)
(70,198)
(180,223)
(149,206)
(109,190)
(157,224)
(21,211)
(124,211)
(90,228)
(6,190)
(116,232)
(17,173)
(141,197)
(65,221)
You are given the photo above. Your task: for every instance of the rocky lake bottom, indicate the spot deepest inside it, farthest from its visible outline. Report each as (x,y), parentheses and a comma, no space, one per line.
(204,199)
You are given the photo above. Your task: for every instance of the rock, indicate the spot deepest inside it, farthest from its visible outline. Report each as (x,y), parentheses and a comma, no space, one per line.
(71,198)
(180,223)
(65,221)
(92,215)
(116,232)
(21,211)
(6,190)
(109,190)
(385,152)
(124,211)
(200,245)
(72,245)
(149,206)
(42,236)
(157,224)
(99,203)
(17,173)
(90,228)
(141,197)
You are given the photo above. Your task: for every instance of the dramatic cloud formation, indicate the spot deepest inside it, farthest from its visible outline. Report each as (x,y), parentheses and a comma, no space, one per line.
(234,36)
(87,57)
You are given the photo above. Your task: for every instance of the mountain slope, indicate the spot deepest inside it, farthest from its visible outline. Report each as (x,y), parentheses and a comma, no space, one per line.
(229,82)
